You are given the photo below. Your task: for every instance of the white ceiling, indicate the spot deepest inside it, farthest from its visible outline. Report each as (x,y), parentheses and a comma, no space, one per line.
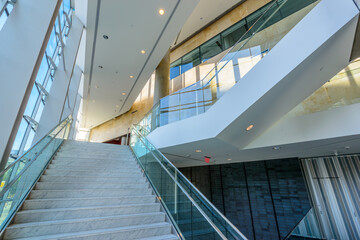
(131,26)
(205,12)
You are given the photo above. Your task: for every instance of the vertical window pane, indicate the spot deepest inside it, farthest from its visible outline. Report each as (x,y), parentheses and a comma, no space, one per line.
(211,48)
(39,111)
(3,18)
(19,137)
(49,83)
(190,60)
(50,49)
(29,140)
(253,18)
(32,100)
(42,71)
(233,34)
(175,69)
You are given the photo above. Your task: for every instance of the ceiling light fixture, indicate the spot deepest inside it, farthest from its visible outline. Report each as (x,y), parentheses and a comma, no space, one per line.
(123,93)
(198,150)
(96,86)
(106,37)
(276,148)
(117,106)
(142,51)
(131,76)
(249,127)
(229,159)
(100,66)
(161,11)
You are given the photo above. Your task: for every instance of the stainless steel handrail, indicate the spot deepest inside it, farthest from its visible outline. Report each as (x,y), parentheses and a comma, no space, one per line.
(183,190)
(197,191)
(9,185)
(19,158)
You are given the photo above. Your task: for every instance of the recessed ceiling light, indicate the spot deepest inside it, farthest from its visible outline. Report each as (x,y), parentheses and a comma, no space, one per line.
(106,37)
(347,147)
(142,51)
(229,159)
(117,106)
(249,127)
(276,148)
(100,66)
(123,93)
(96,86)
(131,76)
(198,150)
(161,11)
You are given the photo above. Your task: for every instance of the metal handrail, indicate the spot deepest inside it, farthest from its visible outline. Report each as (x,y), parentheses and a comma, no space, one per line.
(9,185)
(22,155)
(196,190)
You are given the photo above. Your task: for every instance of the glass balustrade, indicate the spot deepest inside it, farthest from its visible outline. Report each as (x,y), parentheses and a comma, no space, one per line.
(192,215)
(19,177)
(254,44)
(308,228)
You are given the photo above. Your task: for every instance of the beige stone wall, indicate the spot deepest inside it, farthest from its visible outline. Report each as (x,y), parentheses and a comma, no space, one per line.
(217,27)
(343,89)
(119,126)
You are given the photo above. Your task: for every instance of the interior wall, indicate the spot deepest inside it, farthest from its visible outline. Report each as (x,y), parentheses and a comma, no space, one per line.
(119,126)
(334,184)
(341,90)
(263,199)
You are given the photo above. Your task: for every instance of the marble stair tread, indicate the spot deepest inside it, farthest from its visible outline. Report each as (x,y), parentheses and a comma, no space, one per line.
(86,185)
(52,214)
(80,193)
(33,229)
(90,171)
(91,191)
(163,237)
(90,179)
(126,233)
(103,167)
(32,204)
(56,172)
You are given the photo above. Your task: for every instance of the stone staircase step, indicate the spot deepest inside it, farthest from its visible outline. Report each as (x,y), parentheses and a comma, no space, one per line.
(34,229)
(121,233)
(87,185)
(53,214)
(32,204)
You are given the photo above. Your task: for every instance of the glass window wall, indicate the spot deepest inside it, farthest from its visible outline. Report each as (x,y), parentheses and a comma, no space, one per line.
(44,79)
(232,35)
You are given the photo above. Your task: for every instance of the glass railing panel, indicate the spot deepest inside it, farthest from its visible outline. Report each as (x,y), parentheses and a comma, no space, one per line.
(250,48)
(308,228)
(20,176)
(191,213)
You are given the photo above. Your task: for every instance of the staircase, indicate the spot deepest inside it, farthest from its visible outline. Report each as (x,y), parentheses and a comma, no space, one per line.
(91,191)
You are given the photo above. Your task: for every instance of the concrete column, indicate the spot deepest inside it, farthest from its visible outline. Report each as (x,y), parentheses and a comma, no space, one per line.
(162,78)
(61,99)
(161,86)
(23,38)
